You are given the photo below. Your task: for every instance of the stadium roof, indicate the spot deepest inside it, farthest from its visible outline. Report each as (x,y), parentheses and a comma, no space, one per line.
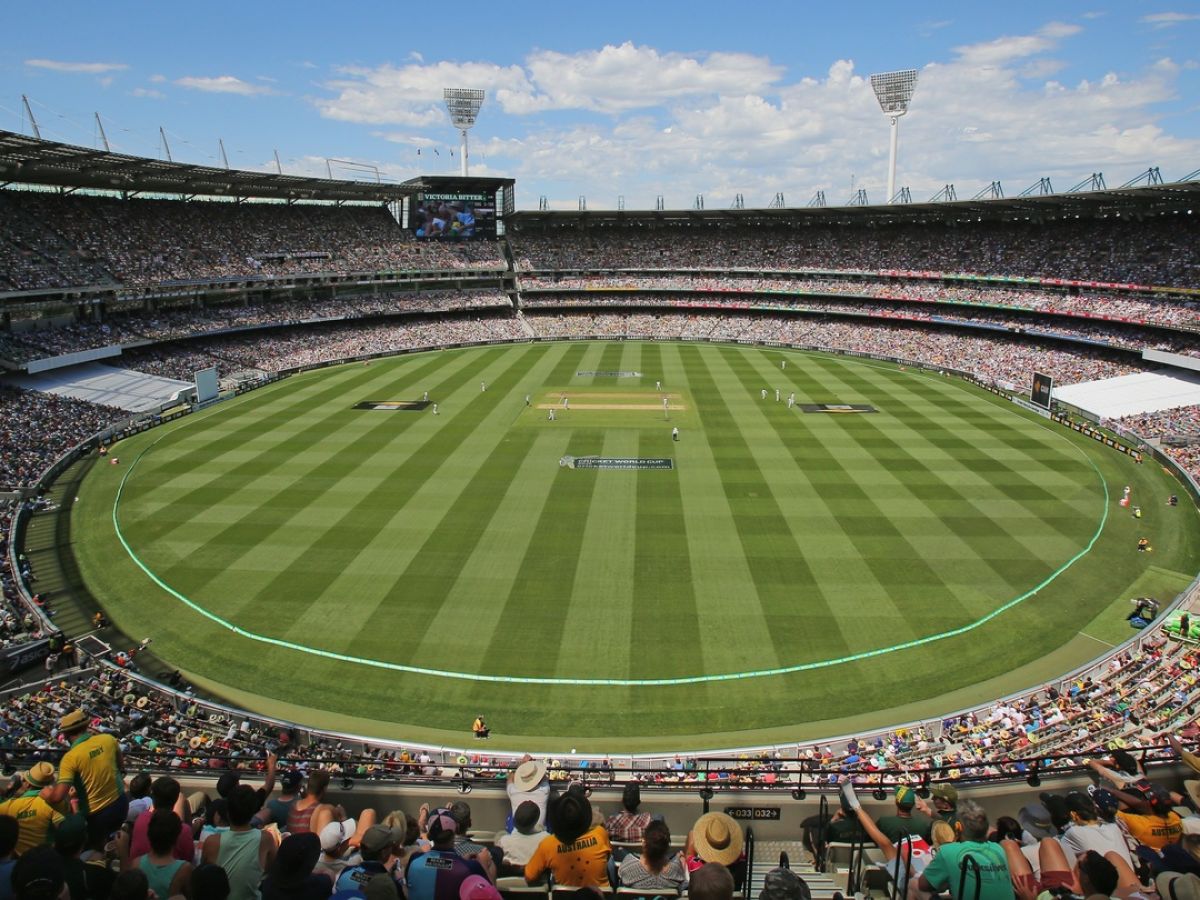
(1134,201)
(28,160)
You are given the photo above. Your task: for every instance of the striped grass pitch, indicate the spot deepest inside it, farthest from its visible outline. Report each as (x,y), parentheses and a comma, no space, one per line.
(456,543)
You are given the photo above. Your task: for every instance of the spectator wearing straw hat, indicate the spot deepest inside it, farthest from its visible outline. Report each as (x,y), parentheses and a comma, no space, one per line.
(576,852)
(528,781)
(36,819)
(93,766)
(717,838)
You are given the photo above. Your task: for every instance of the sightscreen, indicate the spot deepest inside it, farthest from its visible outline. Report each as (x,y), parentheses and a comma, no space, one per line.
(1042,386)
(206,385)
(454,216)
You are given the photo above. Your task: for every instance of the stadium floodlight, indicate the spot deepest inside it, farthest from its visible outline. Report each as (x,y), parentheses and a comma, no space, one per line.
(893,90)
(463,105)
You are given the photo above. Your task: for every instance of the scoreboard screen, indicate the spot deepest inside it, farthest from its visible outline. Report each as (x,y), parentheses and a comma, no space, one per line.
(455,216)
(1042,386)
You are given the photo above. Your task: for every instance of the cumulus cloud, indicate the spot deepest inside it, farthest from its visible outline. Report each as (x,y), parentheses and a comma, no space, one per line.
(677,124)
(223,84)
(147,93)
(76,68)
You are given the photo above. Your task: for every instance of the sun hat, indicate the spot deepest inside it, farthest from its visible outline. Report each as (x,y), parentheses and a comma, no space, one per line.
(571,817)
(73,720)
(528,775)
(1035,819)
(142,702)
(718,838)
(1174,886)
(40,774)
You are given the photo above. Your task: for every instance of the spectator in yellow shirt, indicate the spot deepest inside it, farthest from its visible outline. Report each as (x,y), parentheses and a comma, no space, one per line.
(93,768)
(36,819)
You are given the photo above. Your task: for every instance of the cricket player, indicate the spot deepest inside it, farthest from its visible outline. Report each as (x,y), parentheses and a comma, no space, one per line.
(435,412)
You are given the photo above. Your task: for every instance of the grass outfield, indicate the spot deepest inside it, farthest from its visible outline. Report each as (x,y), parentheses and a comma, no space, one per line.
(364,554)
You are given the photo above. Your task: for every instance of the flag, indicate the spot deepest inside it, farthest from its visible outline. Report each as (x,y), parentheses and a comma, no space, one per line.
(435,152)
(418,151)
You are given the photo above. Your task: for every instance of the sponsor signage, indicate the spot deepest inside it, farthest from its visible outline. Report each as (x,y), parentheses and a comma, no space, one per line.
(616,462)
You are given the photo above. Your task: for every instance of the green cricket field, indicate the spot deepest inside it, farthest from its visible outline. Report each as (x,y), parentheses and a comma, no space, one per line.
(541,549)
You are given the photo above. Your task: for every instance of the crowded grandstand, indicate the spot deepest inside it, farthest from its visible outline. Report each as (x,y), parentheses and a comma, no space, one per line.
(107,301)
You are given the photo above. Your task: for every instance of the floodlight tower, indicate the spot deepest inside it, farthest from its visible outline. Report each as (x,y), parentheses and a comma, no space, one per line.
(463,105)
(893,90)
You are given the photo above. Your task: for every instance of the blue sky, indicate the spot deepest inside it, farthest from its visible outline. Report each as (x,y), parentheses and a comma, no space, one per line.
(627,99)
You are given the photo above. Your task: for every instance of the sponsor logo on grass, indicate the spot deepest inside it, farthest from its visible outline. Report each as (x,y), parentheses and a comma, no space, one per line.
(836,408)
(392,405)
(608,374)
(616,462)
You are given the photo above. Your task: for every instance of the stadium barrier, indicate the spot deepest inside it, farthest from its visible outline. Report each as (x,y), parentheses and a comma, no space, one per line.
(932,726)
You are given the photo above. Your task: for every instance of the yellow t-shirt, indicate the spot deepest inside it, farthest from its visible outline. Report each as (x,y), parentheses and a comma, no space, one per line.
(35,817)
(90,766)
(582,863)
(1154,832)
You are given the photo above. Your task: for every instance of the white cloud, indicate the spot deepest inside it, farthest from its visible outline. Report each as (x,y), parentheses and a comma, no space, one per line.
(1013,47)
(223,84)
(724,124)
(76,68)
(147,93)
(1168,19)
(613,79)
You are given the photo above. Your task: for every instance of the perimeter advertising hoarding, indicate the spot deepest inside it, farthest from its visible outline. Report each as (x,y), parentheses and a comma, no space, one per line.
(1042,386)
(454,216)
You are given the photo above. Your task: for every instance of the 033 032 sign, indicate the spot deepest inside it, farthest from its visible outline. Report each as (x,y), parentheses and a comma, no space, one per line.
(758,813)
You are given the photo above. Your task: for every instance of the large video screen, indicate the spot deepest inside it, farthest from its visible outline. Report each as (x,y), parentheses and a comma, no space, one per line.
(1043,385)
(454,217)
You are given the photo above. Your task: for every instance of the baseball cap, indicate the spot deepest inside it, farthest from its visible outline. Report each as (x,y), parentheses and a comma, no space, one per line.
(227,782)
(905,797)
(378,837)
(476,887)
(333,834)
(439,822)
(291,779)
(945,791)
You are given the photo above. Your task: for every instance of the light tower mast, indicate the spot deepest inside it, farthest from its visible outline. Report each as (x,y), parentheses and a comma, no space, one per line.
(463,105)
(893,90)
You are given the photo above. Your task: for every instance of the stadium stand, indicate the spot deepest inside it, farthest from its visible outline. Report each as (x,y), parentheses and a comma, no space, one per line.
(1144,695)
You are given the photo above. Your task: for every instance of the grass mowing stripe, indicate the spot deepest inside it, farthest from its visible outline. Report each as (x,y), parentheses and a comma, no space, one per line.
(469,485)
(535,604)
(207,453)
(898,574)
(467,617)
(237,581)
(721,577)
(1017,562)
(595,637)
(929,480)
(346,536)
(790,597)
(664,617)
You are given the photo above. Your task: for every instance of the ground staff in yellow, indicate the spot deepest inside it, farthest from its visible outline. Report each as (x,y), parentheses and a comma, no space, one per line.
(93,767)
(35,817)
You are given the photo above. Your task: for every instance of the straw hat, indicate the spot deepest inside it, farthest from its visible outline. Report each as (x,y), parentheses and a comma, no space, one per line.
(718,838)
(529,775)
